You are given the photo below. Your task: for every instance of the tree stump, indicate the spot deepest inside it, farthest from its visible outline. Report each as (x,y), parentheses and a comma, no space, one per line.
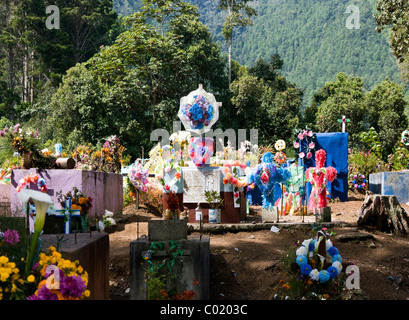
(383,213)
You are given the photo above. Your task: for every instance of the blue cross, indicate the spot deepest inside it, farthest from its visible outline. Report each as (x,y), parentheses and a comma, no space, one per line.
(67,213)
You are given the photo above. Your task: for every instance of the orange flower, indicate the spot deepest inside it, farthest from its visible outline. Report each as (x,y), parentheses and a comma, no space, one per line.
(178,175)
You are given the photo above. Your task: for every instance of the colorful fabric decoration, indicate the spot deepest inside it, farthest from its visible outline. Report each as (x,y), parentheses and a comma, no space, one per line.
(32,178)
(138,176)
(280,157)
(279,145)
(230,173)
(200,150)
(198,111)
(265,175)
(318,177)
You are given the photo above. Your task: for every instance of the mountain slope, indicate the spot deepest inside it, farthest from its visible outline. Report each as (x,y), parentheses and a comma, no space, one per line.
(310,36)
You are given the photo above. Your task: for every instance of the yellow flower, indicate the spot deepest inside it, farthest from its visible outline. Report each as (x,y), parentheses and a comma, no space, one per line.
(4,260)
(31,278)
(87,293)
(325,296)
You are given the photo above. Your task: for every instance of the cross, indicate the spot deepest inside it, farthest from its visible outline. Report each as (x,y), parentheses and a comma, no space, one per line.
(344,120)
(67,213)
(318,177)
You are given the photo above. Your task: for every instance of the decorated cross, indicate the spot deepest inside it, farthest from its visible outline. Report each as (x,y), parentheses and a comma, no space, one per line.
(67,213)
(344,120)
(318,177)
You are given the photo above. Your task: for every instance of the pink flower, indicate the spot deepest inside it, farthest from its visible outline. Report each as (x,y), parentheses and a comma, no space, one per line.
(310,133)
(301,155)
(363,176)
(363,184)
(11,237)
(296,145)
(300,136)
(355,186)
(167,188)
(309,155)
(311,145)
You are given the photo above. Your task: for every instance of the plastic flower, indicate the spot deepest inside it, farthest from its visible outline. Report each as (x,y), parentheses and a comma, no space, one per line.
(333,251)
(324,276)
(296,145)
(301,251)
(305,269)
(11,237)
(337,265)
(314,274)
(301,260)
(301,155)
(336,257)
(333,272)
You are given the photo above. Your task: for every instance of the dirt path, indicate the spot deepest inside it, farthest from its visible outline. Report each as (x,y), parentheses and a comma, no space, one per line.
(247,265)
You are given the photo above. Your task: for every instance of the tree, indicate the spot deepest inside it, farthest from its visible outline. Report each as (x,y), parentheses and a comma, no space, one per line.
(386,105)
(265,100)
(343,97)
(239,13)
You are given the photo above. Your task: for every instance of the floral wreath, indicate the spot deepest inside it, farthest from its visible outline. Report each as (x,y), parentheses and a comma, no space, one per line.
(230,173)
(32,178)
(308,257)
(280,157)
(405,138)
(304,142)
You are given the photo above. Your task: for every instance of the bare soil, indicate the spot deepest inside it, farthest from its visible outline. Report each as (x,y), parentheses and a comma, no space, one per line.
(248,265)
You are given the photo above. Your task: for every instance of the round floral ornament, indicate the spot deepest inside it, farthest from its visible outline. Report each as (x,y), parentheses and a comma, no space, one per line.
(312,264)
(198,111)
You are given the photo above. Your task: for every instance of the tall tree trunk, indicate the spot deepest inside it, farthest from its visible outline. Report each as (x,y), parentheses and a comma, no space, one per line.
(230,53)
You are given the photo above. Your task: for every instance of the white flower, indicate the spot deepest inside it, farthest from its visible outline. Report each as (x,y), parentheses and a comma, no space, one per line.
(337,265)
(306,243)
(315,274)
(328,244)
(108,214)
(101,225)
(109,222)
(301,251)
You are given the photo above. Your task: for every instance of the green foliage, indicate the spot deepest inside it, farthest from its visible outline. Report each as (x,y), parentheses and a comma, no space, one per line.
(361,162)
(399,159)
(214,199)
(371,139)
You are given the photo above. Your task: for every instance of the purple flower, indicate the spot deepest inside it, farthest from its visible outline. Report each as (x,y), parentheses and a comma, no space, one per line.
(11,237)
(43,294)
(1,133)
(72,286)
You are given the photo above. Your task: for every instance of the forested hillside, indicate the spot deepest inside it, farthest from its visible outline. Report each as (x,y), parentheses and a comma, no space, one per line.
(309,35)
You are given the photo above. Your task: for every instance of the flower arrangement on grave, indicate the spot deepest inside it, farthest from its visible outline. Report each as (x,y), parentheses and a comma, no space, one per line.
(180,140)
(70,283)
(25,274)
(111,155)
(138,176)
(304,142)
(21,140)
(172,206)
(106,221)
(231,173)
(314,269)
(79,200)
